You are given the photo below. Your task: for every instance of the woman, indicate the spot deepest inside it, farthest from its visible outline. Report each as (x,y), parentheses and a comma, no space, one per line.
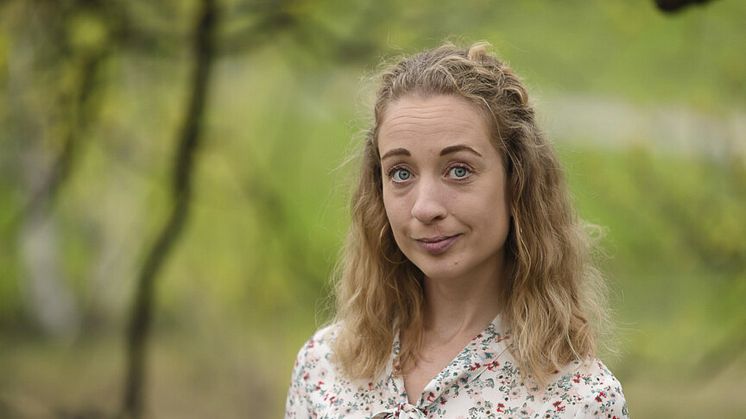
(467,288)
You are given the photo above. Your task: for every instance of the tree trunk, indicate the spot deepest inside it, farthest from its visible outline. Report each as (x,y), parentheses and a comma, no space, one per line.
(143,305)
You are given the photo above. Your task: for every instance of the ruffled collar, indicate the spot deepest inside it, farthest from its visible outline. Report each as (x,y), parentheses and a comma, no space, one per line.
(480,354)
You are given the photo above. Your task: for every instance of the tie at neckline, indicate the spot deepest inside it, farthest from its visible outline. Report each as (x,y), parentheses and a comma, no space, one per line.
(401,411)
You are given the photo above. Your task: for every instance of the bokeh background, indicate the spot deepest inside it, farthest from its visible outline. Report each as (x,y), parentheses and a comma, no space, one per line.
(174,178)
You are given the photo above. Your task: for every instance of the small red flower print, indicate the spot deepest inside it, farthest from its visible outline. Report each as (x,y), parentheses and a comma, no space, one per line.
(319,384)
(430,396)
(474,366)
(558,406)
(576,378)
(500,408)
(600,396)
(306,375)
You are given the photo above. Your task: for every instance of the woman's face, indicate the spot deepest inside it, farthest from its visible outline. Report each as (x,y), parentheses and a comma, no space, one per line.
(444,186)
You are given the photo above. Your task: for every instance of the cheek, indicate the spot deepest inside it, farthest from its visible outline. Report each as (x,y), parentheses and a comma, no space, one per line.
(502,222)
(395,220)
(387,205)
(396,209)
(490,214)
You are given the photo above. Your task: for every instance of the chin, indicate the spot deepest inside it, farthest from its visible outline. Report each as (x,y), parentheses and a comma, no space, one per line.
(440,273)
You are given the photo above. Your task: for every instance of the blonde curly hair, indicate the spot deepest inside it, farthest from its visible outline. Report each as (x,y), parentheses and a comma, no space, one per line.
(552,297)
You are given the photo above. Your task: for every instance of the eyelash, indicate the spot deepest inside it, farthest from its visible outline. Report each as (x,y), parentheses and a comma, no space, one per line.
(469,170)
(461,166)
(393,170)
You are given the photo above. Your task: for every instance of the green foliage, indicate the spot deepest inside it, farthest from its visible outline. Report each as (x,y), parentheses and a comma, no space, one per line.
(676,256)
(285,112)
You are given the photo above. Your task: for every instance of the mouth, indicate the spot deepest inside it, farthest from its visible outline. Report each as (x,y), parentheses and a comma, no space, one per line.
(437,245)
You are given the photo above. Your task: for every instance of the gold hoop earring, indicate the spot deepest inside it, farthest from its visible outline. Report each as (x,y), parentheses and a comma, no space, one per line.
(381,242)
(382,232)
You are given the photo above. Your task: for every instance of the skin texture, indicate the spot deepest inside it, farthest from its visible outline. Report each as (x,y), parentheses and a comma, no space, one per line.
(445,194)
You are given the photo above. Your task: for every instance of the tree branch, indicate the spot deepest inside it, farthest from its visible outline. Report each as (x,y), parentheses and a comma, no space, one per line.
(142,308)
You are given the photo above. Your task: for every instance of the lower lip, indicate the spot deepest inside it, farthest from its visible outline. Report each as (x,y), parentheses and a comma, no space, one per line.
(439,247)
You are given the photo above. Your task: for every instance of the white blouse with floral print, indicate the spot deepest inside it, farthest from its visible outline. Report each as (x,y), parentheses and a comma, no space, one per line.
(483,381)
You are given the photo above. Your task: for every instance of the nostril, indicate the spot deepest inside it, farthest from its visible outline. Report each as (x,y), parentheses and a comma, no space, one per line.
(428,212)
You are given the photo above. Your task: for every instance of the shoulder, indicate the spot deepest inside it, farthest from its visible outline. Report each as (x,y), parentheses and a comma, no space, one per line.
(321,340)
(317,349)
(312,366)
(591,390)
(326,333)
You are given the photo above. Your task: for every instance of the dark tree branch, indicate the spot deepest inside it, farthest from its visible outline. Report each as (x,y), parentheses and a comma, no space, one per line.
(45,196)
(315,37)
(674,6)
(81,107)
(129,33)
(142,308)
(257,33)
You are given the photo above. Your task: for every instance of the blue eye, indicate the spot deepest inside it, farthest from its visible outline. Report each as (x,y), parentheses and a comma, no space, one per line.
(459,172)
(400,175)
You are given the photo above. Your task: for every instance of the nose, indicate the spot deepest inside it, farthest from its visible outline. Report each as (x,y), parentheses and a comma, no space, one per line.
(429,205)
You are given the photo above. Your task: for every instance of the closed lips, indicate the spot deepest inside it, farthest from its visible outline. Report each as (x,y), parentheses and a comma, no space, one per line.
(437,245)
(435,239)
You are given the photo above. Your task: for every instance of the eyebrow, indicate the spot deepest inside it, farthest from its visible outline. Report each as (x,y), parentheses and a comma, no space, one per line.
(448,150)
(396,152)
(458,147)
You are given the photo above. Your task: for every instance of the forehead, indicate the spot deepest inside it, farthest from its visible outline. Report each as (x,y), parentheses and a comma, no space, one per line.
(414,118)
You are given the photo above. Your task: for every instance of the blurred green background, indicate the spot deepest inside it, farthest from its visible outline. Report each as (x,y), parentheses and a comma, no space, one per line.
(647,110)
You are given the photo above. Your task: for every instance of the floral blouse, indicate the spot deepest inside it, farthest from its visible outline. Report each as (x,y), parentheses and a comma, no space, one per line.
(483,381)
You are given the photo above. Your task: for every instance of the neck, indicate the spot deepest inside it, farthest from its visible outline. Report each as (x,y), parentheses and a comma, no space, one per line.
(457,307)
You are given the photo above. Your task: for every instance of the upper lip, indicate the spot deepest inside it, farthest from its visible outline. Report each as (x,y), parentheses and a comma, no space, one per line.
(435,239)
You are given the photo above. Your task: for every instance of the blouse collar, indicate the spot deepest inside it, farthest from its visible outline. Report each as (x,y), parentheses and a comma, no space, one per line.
(480,354)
